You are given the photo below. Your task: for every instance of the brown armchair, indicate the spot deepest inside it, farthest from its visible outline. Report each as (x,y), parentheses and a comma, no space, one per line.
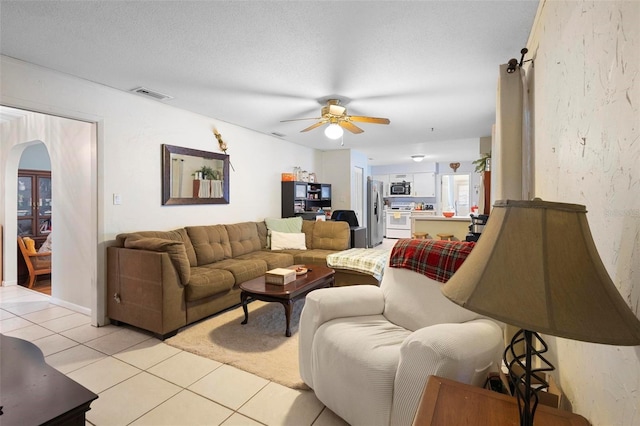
(37,263)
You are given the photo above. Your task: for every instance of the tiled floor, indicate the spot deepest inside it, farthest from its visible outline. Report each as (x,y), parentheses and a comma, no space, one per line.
(142,381)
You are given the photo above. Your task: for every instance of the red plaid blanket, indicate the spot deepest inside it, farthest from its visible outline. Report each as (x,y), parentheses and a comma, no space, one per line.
(437,259)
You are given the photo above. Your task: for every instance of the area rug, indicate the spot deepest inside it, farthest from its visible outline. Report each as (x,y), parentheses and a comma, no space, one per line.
(259,347)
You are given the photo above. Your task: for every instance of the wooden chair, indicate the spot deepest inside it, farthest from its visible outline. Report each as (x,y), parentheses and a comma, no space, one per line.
(37,263)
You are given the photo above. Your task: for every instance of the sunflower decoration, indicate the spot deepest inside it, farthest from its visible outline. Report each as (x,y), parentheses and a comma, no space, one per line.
(222,144)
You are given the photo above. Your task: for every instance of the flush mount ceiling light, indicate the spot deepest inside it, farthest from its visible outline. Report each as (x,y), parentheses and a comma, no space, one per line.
(417,158)
(333,131)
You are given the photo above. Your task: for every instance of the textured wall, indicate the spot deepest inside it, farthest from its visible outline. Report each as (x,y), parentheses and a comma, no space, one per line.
(587,136)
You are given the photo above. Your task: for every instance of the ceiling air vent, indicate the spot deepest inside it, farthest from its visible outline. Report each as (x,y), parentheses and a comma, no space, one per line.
(152,94)
(280,135)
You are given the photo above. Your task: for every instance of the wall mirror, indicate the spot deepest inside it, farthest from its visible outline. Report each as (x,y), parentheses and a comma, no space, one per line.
(191,176)
(455,193)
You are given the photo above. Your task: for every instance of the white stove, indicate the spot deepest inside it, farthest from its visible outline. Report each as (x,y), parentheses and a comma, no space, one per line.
(402,206)
(399,220)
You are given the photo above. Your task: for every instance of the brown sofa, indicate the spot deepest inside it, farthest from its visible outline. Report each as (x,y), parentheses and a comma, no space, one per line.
(163,280)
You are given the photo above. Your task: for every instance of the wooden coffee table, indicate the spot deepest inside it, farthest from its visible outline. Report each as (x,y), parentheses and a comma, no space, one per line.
(318,276)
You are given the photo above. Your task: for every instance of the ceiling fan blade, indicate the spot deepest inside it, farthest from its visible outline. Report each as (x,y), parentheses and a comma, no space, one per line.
(300,119)
(313,126)
(374,120)
(350,127)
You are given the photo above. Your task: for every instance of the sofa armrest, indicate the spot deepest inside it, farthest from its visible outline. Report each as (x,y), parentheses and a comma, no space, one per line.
(144,290)
(464,352)
(326,304)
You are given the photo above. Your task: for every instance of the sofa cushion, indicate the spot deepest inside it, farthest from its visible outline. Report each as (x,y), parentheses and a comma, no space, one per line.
(262,233)
(208,281)
(273,260)
(307,228)
(211,243)
(175,235)
(287,240)
(306,257)
(289,224)
(331,235)
(175,250)
(243,269)
(243,238)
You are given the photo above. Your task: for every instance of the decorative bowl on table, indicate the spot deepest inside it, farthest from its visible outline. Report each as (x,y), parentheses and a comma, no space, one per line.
(448,214)
(300,270)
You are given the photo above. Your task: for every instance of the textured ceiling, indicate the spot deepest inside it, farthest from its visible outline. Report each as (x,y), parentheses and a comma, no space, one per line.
(431,67)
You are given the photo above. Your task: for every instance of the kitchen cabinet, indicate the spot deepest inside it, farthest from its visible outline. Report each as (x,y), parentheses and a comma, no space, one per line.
(301,198)
(405,177)
(34,204)
(424,185)
(34,211)
(385,183)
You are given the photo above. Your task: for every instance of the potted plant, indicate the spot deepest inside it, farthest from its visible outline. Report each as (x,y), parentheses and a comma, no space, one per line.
(206,172)
(483,163)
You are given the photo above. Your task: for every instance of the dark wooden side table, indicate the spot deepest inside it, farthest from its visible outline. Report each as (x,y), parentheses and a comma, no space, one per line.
(451,403)
(34,393)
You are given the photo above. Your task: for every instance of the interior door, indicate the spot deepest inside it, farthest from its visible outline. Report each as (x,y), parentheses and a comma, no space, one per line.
(358,194)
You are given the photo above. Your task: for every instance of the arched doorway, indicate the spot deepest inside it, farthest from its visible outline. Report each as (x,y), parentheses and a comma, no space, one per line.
(35,218)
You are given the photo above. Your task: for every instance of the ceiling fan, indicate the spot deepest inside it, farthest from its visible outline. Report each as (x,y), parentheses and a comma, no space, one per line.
(336,115)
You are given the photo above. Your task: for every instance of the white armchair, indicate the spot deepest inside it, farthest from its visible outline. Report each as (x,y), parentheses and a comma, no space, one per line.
(368,351)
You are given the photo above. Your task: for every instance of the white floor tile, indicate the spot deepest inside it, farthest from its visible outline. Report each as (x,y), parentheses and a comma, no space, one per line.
(329,418)
(54,343)
(279,405)
(67,322)
(103,374)
(117,341)
(87,332)
(24,296)
(240,420)
(26,307)
(229,386)
(186,408)
(5,314)
(111,361)
(13,323)
(30,333)
(73,358)
(13,291)
(147,354)
(184,368)
(49,313)
(129,400)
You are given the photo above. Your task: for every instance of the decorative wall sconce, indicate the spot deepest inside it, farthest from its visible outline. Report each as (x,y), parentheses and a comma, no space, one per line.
(222,144)
(454,166)
(417,158)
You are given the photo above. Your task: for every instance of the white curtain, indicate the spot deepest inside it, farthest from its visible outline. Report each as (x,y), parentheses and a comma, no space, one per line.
(176,177)
(512,154)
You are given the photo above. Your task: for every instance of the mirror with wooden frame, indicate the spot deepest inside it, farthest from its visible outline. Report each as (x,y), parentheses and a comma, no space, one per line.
(191,176)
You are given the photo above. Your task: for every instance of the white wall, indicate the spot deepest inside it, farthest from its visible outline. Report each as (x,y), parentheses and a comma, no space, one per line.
(131,130)
(587,151)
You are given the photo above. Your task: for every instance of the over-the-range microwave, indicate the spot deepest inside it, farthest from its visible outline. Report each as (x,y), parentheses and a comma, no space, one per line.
(400,188)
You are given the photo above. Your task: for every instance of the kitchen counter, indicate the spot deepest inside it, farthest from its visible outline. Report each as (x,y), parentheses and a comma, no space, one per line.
(419,215)
(438,224)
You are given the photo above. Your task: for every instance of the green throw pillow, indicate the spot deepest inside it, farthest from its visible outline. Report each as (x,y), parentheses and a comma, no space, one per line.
(289,225)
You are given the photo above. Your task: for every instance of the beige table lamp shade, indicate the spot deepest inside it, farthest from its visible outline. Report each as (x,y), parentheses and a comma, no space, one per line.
(536,267)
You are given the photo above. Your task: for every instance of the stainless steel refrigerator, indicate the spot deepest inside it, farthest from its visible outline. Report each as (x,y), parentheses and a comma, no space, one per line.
(375,218)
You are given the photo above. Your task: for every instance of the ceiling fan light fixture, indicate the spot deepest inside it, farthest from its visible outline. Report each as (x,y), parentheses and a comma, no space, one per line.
(417,158)
(333,131)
